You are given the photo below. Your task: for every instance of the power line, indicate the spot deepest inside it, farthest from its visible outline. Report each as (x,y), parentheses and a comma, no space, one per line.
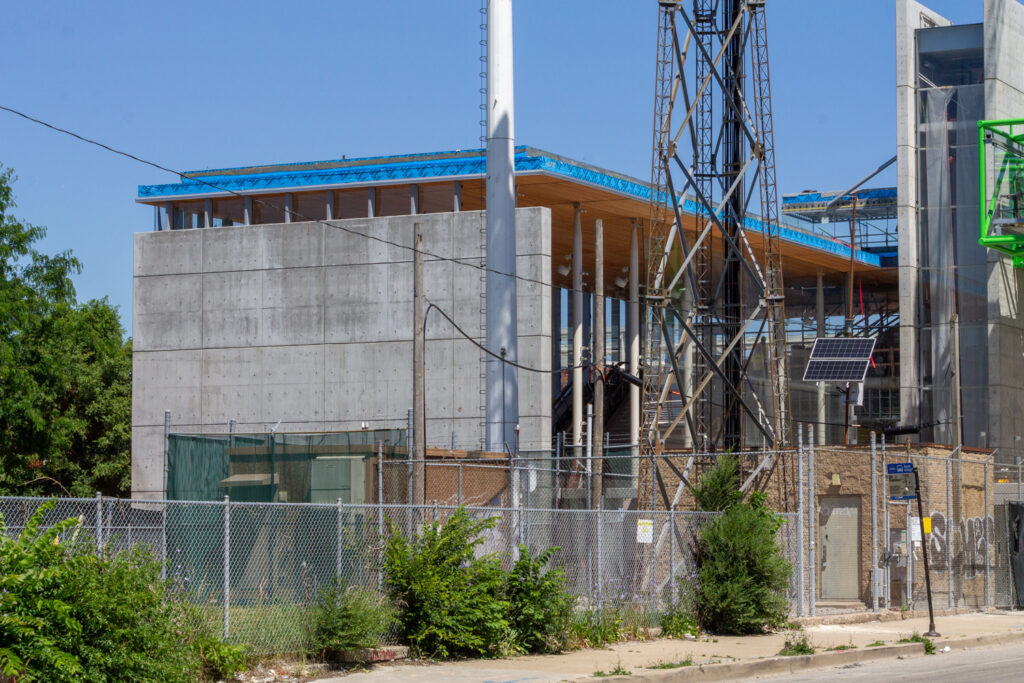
(264,203)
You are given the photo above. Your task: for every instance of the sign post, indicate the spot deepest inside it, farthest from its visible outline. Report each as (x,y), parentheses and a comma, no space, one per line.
(900,475)
(932,633)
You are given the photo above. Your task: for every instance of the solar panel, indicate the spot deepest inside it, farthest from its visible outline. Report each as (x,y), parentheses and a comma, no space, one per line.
(843,347)
(842,359)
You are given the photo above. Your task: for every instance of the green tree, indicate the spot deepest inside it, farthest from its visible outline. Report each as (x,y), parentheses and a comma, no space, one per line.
(65,373)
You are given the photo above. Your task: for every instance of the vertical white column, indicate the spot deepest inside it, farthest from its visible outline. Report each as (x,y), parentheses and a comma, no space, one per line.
(819,428)
(414,199)
(634,340)
(208,213)
(457,197)
(247,211)
(329,206)
(289,207)
(371,202)
(577,326)
(502,336)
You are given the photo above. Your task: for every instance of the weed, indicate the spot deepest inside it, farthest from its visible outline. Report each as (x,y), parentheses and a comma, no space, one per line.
(877,643)
(929,646)
(678,664)
(540,608)
(617,671)
(841,648)
(348,618)
(797,646)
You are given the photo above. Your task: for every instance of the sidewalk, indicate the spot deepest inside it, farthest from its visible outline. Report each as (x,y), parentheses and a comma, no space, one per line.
(637,657)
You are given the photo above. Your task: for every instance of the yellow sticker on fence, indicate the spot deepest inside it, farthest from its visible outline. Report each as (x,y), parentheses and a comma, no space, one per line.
(927,521)
(645,531)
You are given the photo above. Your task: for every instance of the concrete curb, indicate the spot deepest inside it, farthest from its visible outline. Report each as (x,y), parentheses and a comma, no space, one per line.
(883,615)
(775,666)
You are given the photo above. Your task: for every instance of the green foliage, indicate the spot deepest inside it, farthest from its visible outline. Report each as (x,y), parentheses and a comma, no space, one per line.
(348,618)
(678,620)
(597,627)
(678,664)
(719,488)
(797,646)
(617,671)
(877,643)
(929,646)
(540,609)
(70,613)
(65,373)
(451,602)
(742,573)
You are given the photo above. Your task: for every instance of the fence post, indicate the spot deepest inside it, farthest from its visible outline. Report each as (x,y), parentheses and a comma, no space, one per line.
(886,541)
(949,537)
(227,566)
(337,554)
(671,549)
(988,542)
(99,523)
(874,525)
(801,553)
(600,555)
(813,520)
(167,449)
(380,515)
(460,484)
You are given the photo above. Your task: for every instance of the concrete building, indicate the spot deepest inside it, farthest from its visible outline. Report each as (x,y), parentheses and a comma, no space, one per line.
(290,306)
(948,78)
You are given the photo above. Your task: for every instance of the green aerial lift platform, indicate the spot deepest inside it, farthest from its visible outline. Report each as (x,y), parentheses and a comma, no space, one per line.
(1001,186)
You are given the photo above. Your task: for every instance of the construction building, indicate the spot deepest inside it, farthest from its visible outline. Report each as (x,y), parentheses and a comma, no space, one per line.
(280,297)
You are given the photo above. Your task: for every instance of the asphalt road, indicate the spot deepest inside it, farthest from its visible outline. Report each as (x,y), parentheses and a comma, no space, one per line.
(991,665)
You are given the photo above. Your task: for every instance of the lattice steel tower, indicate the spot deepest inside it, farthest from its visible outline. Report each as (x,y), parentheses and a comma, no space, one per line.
(717,368)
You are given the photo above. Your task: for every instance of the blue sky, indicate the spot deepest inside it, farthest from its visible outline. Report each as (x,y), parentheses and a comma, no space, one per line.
(193,85)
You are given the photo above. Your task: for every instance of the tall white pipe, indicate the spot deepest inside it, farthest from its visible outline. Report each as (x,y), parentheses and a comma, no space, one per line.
(577,327)
(634,342)
(502,383)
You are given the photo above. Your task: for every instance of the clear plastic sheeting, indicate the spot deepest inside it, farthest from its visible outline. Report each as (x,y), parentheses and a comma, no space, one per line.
(953,265)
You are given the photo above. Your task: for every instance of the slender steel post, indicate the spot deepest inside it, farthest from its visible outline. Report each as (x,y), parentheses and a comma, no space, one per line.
(812,522)
(460,485)
(99,523)
(801,548)
(931,633)
(227,566)
(380,515)
(671,548)
(988,541)
(874,525)
(949,539)
(600,558)
(167,449)
(337,552)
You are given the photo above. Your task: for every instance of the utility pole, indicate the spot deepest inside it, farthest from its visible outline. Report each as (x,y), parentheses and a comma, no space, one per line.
(598,369)
(419,429)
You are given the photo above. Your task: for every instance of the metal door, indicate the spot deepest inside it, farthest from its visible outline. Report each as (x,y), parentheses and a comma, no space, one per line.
(839,548)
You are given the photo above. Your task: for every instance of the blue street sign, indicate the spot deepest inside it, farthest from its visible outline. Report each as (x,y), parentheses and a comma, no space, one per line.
(901,480)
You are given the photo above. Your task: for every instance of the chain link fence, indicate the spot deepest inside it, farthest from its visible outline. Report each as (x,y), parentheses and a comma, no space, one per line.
(255,569)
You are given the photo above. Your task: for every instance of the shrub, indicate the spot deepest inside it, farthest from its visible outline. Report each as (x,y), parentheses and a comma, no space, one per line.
(742,573)
(796,646)
(70,613)
(597,627)
(348,618)
(540,609)
(678,620)
(719,488)
(451,602)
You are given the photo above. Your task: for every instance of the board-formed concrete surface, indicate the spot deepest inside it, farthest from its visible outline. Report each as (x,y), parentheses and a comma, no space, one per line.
(311,326)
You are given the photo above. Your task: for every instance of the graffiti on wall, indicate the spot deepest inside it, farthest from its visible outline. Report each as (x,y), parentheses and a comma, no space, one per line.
(968,545)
